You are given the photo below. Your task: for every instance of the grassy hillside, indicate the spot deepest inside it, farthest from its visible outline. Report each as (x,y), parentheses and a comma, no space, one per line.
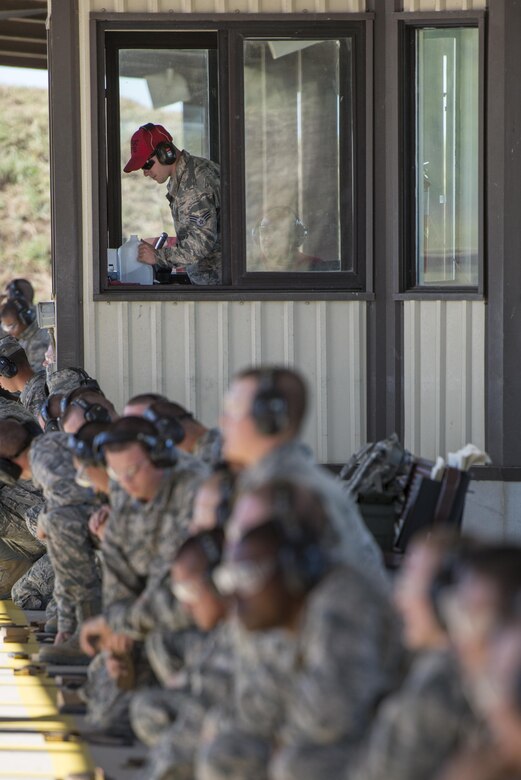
(25,228)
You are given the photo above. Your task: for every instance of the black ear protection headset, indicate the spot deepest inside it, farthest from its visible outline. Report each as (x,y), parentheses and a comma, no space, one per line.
(269,408)
(303,562)
(14,292)
(161,452)
(300,230)
(445,578)
(25,313)
(10,472)
(224,506)
(211,544)
(91,412)
(51,423)
(69,400)
(8,367)
(165,150)
(168,427)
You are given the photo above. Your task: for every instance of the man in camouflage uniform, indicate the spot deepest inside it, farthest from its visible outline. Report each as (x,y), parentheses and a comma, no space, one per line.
(46,460)
(262,416)
(17,376)
(197,440)
(344,637)
(19,549)
(138,547)
(19,321)
(170,719)
(194,196)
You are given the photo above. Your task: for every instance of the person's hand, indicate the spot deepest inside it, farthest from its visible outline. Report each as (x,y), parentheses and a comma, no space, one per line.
(120,644)
(98,521)
(95,634)
(147,254)
(49,356)
(61,637)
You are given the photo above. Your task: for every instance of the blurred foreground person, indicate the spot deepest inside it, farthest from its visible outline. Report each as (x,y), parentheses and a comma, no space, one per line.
(428,719)
(170,720)
(336,635)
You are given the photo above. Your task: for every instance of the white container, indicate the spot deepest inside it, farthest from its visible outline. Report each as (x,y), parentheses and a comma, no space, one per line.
(130,269)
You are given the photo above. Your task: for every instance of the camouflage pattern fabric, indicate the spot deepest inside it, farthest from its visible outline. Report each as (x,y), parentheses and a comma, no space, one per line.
(194,195)
(35,588)
(15,502)
(138,549)
(35,342)
(34,393)
(15,411)
(349,657)
(168,651)
(64,380)
(350,541)
(312,694)
(65,522)
(18,547)
(421,726)
(108,705)
(208,447)
(171,720)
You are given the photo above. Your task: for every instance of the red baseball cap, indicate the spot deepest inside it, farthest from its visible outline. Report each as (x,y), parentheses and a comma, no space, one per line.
(143,143)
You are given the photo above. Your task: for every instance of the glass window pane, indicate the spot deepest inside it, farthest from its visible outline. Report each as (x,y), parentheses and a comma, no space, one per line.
(168,87)
(298,155)
(447,156)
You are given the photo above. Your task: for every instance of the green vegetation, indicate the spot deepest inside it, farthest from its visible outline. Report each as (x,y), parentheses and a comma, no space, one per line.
(25,224)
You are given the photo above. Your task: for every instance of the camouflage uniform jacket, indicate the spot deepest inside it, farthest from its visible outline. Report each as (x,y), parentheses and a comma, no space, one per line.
(350,539)
(349,656)
(65,522)
(34,393)
(15,411)
(15,502)
(35,341)
(208,447)
(194,195)
(138,549)
(418,728)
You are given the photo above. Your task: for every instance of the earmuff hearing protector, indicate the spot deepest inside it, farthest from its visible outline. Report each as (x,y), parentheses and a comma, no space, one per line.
(69,400)
(446,577)
(165,150)
(162,453)
(91,412)
(168,427)
(8,367)
(211,545)
(10,472)
(223,509)
(51,423)
(303,562)
(269,407)
(83,450)
(274,214)
(14,291)
(25,313)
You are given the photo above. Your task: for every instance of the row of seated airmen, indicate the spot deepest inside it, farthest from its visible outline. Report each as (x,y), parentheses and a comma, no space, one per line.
(232,608)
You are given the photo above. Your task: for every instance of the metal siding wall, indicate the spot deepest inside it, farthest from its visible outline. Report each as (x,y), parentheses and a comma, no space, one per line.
(226,6)
(444,376)
(444,5)
(190,350)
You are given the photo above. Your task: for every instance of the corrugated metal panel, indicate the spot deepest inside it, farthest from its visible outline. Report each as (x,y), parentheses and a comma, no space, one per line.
(190,350)
(227,6)
(444,375)
(444,5)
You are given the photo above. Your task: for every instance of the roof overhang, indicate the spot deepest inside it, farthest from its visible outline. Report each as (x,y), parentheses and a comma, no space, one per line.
(23,34)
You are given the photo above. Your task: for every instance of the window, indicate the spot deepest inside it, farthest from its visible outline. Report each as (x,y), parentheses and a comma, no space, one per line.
(444,216)
(281,108)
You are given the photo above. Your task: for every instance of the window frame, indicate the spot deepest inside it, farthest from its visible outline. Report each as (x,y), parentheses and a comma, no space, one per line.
(230,30)
(408,23)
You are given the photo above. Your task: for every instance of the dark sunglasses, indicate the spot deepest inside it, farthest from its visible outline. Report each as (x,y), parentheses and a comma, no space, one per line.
(148,165)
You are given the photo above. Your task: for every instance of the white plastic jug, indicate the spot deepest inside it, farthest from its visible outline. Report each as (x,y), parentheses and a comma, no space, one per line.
(131,270)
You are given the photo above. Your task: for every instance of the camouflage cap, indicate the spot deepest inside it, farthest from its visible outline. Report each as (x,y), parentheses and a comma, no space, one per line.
(8,346)
(66,379)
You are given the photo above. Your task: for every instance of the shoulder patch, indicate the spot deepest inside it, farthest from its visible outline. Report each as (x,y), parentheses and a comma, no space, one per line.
(201,219)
